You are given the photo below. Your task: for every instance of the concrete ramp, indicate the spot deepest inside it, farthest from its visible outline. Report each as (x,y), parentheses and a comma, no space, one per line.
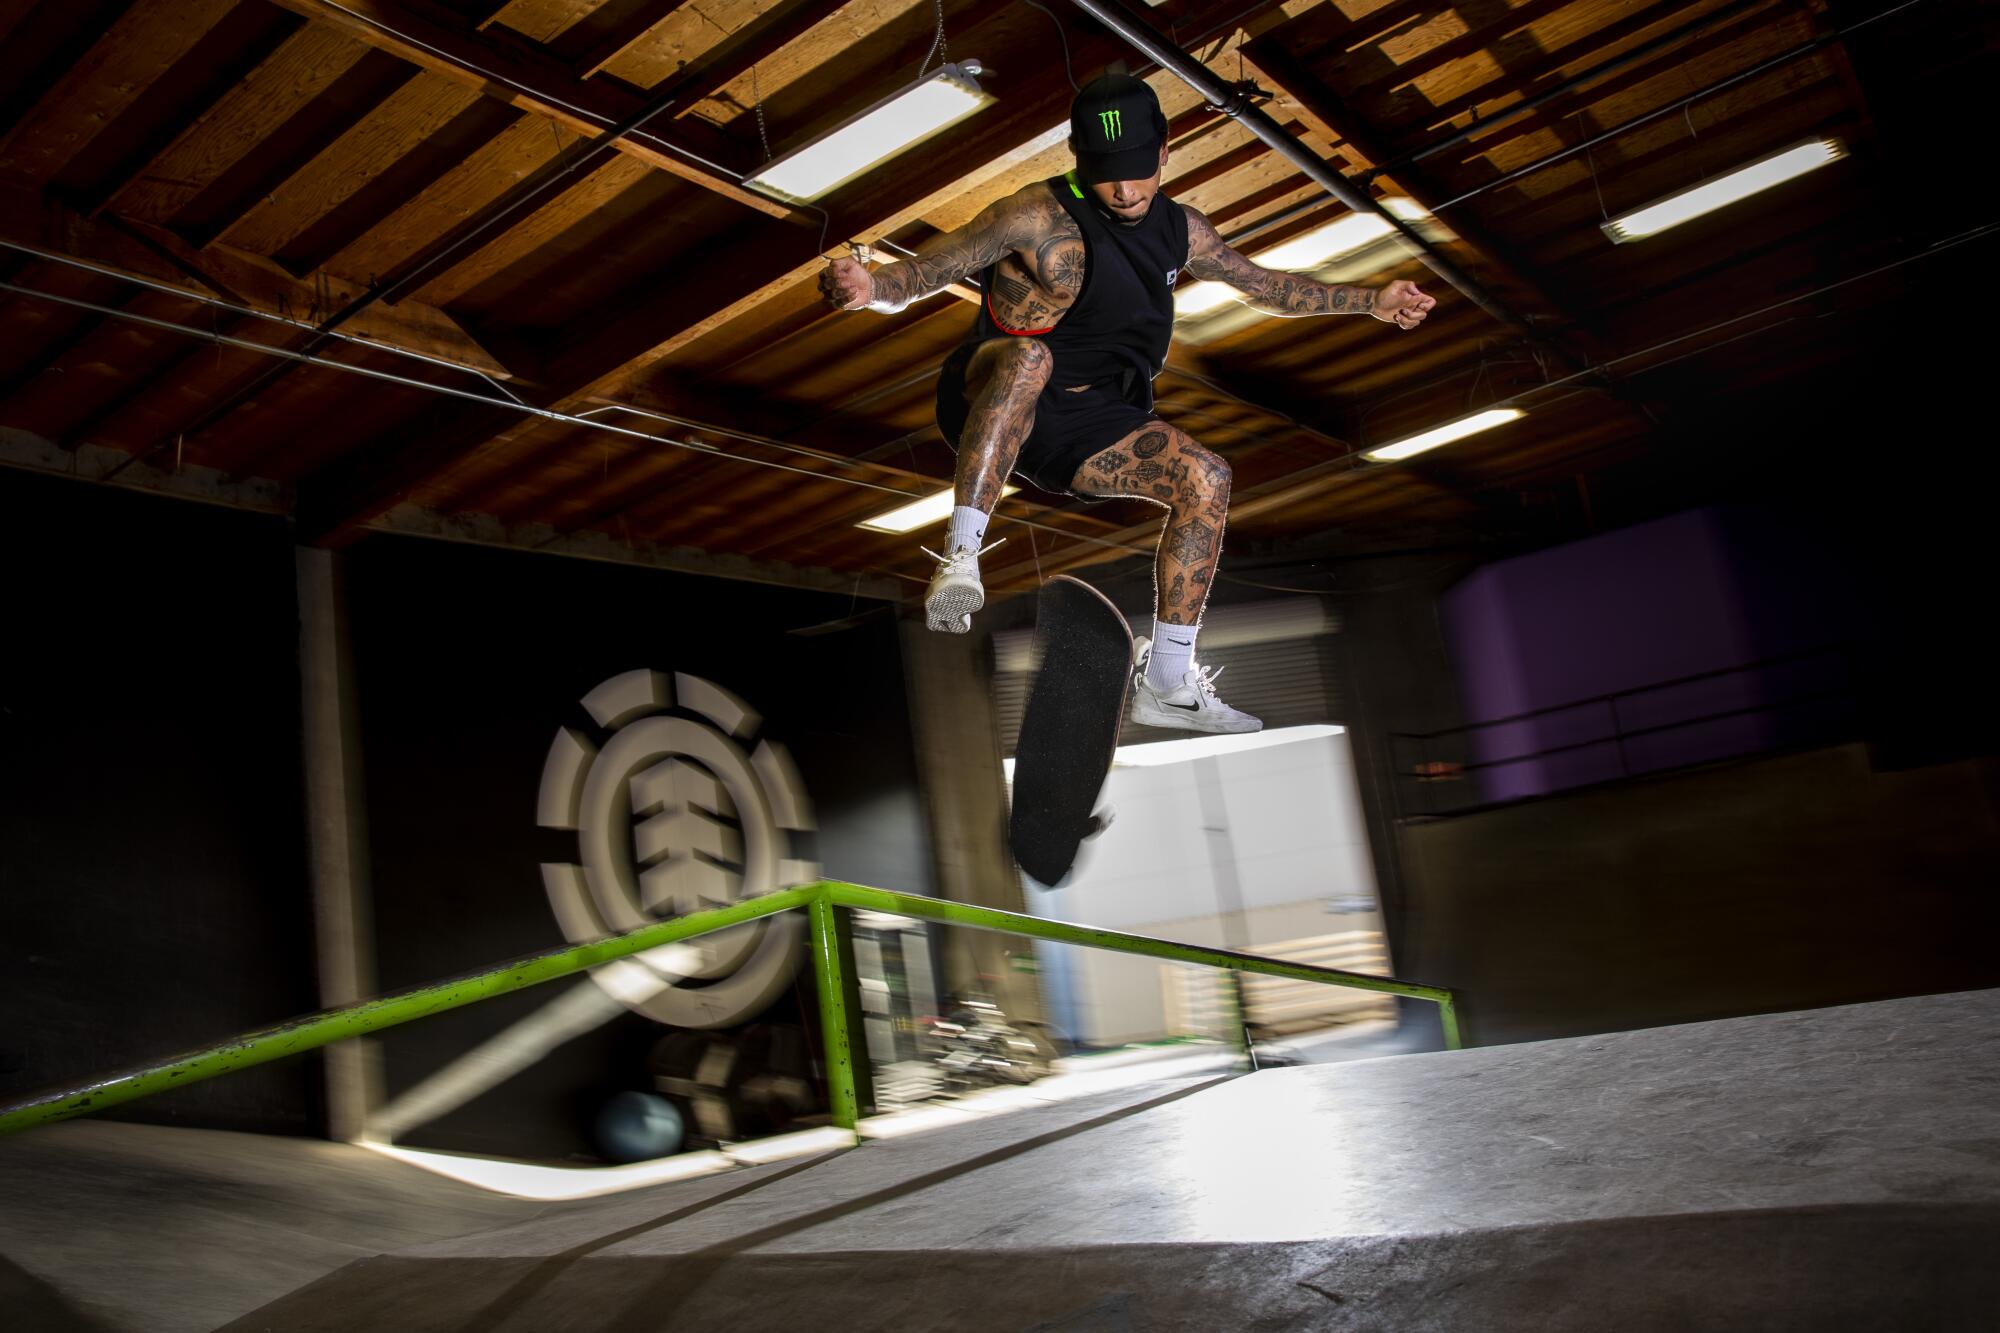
(1836,1169)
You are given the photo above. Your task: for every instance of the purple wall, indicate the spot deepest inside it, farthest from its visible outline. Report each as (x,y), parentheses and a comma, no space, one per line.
(1712,590)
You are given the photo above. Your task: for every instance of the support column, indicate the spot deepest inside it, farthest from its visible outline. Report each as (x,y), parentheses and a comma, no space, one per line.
(949,680)
(336,834)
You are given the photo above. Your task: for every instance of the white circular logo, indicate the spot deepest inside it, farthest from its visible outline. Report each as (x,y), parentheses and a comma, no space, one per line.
(672,817)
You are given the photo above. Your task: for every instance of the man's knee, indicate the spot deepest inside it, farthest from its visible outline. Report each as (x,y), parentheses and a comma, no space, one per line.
(1208,474)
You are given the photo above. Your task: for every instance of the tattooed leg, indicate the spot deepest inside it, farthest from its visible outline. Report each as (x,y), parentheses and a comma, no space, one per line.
(1004,379)
(1163,465)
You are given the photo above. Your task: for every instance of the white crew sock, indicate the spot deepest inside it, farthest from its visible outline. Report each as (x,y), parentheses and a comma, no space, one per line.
(968,530)
(1173,654)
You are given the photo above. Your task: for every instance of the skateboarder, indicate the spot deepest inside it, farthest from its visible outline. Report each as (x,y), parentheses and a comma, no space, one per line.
(1054,382)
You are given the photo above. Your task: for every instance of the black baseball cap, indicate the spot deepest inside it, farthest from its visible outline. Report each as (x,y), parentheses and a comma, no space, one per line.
(1116,128)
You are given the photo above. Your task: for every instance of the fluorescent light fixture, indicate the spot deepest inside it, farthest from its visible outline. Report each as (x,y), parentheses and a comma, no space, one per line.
(919,513)
(1338,238)
(1708,196)
(907,117)
(1344,236)
(1437,435)
(1198,298)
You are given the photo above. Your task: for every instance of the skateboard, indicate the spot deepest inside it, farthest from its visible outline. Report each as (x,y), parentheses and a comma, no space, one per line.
(1070,728)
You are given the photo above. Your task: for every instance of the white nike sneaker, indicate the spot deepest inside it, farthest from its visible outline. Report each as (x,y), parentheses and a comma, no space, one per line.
(1191,705)
(955,591)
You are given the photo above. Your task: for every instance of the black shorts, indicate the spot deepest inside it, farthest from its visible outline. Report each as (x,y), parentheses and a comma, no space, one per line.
(1069,426)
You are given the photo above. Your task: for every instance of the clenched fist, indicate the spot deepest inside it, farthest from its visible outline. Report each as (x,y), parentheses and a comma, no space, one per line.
(1401,304)
(845,285)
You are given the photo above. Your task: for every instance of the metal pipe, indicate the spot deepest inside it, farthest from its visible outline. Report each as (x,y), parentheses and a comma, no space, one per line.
(353,1020)
(821,899)
(542,96)
(1118,941)
(1157,47)
(831,963)
(248,312)
(544,413)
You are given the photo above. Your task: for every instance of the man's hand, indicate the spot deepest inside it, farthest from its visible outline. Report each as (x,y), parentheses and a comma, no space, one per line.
(846,285)
(1401,304)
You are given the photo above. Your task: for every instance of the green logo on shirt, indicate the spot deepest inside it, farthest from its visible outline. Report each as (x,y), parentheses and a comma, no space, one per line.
(1113,125)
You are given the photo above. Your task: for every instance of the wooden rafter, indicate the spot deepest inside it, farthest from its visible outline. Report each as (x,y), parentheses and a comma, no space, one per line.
(725,62)
(1310,99)
(527,76)
(613,350)
(104,417)
(110,77)
(34,220)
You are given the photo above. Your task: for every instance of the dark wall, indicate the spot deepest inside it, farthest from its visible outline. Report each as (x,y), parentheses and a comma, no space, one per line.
(1782,883)
(1723,630)
(1740,900)
(152,884)
(468,660)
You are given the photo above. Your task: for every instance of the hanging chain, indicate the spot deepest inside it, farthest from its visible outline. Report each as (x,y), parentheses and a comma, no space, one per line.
(937,47)
(757,102)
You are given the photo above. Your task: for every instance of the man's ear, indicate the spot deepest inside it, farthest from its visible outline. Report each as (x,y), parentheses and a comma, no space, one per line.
(1163,155)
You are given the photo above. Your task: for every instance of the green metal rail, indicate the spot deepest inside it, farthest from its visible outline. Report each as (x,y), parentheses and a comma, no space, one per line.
(832,964)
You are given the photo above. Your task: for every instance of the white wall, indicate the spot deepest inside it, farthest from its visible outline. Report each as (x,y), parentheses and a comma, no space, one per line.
(1301,854)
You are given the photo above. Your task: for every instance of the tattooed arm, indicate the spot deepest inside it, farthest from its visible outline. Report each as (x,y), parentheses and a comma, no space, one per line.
(1279,293)
(1014,225)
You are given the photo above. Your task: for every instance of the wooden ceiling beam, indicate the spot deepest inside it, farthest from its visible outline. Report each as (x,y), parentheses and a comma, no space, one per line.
(33,219)
(112,74)
(726,61)
(280,152)
(100,426)
(1310,99)
(45,360)
(221,81)
(630,28)
(12,13)
(1506,24)
(1486,101)
(610,352)
(527,76)
(311,61)
(378,145)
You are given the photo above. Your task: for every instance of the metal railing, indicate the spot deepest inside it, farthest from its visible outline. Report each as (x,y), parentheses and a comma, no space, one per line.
(1428,773)
(833,965)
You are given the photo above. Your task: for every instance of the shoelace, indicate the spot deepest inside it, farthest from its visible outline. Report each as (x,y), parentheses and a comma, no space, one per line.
(1207,681)
(976,555)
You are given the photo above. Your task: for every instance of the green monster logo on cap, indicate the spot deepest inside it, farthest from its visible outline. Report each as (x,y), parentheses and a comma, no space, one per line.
(1113,125)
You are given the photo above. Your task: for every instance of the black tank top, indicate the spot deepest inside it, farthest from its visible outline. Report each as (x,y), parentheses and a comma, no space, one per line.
(1118,328)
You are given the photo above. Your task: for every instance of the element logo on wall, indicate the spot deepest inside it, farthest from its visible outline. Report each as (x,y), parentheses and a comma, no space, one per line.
(673,816)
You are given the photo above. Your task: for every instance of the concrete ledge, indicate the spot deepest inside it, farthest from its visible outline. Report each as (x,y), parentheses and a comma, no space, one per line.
(1892,1268)
(1835,1169)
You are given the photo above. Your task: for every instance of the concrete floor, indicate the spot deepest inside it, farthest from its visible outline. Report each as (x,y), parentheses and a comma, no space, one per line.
(1836,1169)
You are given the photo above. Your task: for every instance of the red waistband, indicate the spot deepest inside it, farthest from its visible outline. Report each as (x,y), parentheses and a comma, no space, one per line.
(1019,333)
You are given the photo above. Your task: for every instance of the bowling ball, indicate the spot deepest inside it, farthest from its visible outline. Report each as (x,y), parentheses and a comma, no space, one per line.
(638,1126)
